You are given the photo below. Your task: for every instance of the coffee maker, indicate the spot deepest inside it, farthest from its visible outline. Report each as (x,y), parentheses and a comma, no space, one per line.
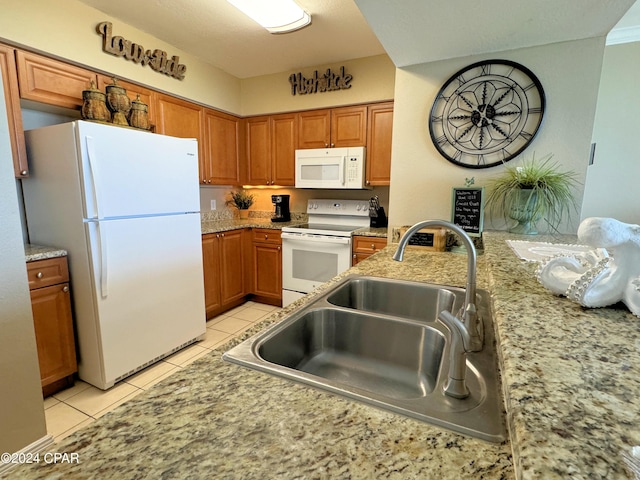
(281,213)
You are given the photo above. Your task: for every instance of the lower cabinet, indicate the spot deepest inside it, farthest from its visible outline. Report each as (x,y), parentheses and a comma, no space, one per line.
(53,322)
(267,262)
(224,259)
(364,247)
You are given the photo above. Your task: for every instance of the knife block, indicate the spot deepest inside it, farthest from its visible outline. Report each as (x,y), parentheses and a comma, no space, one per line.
(379,220)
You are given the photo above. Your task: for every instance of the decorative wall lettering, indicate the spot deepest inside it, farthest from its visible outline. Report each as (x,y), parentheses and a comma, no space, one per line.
(157,60)
(320,83)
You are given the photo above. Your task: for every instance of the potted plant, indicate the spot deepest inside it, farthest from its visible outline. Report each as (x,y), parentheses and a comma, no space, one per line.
(242,200)
(536,190)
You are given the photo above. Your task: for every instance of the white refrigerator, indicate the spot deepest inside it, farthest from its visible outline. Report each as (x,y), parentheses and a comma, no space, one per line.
(125,205)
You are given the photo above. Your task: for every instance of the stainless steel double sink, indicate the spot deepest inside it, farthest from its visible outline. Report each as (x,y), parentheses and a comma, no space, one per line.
(376,340)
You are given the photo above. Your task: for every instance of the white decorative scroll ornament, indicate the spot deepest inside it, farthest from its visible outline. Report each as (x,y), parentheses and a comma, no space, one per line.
(608,274)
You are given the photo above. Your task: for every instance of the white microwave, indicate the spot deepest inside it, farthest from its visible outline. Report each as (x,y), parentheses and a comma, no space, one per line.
(331,168)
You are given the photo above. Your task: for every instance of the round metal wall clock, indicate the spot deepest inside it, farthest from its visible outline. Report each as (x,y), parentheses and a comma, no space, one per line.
(487,113)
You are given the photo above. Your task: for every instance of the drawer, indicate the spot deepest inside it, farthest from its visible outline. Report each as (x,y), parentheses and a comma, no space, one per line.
(267,235)
(368,244)
(51,271)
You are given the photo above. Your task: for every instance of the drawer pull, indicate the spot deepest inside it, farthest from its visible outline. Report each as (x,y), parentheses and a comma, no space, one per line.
(39,275)
(65,289)
(266,237)
(373,246)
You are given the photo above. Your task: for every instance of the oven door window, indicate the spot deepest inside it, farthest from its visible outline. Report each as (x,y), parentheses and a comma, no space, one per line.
(307,264)
(314,266)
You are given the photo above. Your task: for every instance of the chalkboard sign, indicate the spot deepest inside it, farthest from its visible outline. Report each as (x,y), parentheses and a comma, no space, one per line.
(468,209)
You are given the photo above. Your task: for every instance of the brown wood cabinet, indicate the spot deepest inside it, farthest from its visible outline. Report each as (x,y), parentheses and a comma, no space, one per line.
(11,92)
(267,262)
(53,322)
(379,133)
(258,151)
(224,262)
(365,246)
(284,141)
(220,164)
(179,118)
(50,81)
(271,145)
(336,127)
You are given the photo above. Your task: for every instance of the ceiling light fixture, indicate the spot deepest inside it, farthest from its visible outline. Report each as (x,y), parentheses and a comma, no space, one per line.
(277,16)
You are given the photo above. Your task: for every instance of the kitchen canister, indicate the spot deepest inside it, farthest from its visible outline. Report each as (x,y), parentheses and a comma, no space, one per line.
(139,116)
(118,102)
(94,105)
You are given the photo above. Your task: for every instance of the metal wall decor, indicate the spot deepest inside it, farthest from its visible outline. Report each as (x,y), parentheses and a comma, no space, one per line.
(327,82)
(487,113)
(157,59)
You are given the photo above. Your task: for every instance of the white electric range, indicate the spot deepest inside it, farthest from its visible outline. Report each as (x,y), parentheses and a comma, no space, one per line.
(315,252)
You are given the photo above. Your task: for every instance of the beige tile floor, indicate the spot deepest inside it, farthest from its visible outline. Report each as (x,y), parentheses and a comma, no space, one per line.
(74,408)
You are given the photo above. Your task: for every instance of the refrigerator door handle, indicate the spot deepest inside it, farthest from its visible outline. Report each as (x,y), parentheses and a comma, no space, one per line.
(93,168)
(101,250)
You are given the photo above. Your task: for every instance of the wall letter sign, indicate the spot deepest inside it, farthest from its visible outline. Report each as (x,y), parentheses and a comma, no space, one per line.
(320,83)
(158,59)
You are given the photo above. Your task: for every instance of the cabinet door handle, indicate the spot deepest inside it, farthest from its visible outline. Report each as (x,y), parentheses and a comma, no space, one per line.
(39,275)
(23,172)
(65,289)
(279,248)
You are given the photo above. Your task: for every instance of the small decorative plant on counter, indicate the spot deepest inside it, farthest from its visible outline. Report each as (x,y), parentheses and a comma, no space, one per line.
(537,190)
(242,200)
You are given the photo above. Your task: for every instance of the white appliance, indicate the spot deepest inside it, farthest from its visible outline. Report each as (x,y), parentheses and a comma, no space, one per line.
(334,168)
(125,205)
(314,253)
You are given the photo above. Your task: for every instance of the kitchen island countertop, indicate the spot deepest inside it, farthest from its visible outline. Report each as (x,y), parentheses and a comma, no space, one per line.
(569,378)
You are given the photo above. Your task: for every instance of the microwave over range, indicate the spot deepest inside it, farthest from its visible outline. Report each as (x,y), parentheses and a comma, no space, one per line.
(333,168)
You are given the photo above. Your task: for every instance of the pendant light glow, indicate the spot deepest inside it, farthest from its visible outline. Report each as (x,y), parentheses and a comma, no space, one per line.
(277,16)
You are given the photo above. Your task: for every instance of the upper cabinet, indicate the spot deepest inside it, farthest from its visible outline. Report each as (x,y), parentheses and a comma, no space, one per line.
(50,81)
(284,141)
(14,115)
(379,133)
(271,146)
(231,150)
(220,163)
(179,118)
(337,127)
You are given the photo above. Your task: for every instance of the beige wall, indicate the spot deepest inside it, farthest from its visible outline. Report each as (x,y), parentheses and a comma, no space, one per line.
(373,81)
(21,409)
(421,179)
(66,28)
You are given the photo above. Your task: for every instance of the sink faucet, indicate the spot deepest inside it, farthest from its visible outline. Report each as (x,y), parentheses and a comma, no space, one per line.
(466,332)
(469,320)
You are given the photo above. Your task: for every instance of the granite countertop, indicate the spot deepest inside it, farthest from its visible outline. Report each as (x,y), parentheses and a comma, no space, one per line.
(570,374)
(372,232)
(223,225)
(569,379)
(39,252)
(218,420)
